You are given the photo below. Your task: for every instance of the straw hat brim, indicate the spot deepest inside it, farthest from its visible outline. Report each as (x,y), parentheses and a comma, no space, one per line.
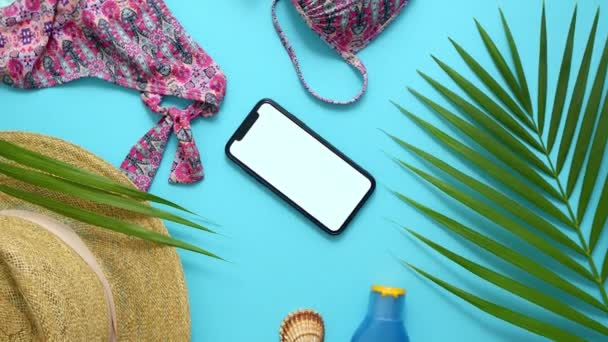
(146,279)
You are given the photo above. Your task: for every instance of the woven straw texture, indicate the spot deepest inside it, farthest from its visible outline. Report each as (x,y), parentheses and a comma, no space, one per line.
(47,293)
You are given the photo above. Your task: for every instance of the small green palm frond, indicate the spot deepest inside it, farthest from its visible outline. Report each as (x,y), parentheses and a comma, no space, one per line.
(605,268)
(502,66)
(522,290)
(500,173)
(506,222)
(521,76)
(504,313)
(493,127)
(496,88)
(512,206)
(599,221)
(596,154)
(502,137)
(541,109)
(507,254)
(490,105)
(39,161)
(589,118)
(576,102)
(41,171)
(562,85)
(67,187)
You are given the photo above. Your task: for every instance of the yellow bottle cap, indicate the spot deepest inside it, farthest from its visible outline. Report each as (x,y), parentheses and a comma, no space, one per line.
(388,291)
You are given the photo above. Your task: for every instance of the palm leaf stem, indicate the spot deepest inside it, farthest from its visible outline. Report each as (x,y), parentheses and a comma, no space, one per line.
(576,225)
(605,268)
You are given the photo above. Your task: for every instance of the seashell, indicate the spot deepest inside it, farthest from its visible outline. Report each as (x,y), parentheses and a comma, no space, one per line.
(302,326)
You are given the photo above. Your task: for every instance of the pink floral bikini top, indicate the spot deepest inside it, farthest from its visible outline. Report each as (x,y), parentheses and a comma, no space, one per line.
(133,43)
(348,26)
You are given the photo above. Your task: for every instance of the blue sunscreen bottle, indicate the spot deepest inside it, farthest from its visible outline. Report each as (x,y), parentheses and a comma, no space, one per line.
(384,319)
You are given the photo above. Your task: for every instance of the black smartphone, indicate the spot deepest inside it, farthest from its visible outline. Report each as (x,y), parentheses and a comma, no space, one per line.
(305,170)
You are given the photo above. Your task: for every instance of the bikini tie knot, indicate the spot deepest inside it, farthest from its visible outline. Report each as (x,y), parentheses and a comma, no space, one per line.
(143,161)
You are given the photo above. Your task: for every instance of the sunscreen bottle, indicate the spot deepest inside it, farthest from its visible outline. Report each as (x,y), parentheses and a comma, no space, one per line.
(384,319)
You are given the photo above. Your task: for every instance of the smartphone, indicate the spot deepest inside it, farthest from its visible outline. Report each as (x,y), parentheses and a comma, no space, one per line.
(285,155)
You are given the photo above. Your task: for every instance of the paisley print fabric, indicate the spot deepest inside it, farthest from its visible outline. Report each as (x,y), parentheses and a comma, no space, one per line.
(346,25)
(136,44)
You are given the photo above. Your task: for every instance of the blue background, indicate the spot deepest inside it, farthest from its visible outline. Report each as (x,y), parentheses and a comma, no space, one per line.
(282,262)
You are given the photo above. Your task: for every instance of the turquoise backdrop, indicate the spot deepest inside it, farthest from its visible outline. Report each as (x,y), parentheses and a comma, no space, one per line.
(282,262)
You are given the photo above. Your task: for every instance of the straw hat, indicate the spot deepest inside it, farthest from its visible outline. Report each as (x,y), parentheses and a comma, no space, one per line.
(61,280)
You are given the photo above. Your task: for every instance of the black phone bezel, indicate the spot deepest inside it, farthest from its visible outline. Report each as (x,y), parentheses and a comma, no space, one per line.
(248,123)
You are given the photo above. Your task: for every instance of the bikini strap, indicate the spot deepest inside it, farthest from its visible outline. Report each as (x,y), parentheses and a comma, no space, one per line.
(349,57)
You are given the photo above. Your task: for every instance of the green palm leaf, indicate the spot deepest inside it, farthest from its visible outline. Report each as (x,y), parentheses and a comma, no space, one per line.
(521,76)
(541,328)
(69,188)
(102,220)
(489,166)
(66,179)
(562,85)
(507,254)
(599,221)
(586,132)
(492,146)
(490,105)
(576,103)
(497,197)
(507,223)
(503,67)
(605,268)
(490,82)
(497,143)
(489,124)
(542,74)
(513,286)
(38,161)
(596,155)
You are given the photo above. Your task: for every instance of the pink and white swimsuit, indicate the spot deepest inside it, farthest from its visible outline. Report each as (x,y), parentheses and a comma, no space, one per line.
(137,44)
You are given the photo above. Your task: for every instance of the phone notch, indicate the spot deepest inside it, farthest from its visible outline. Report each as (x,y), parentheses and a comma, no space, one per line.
(246,125)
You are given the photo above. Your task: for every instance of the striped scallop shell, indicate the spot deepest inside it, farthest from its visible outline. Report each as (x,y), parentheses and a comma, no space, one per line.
(302,326)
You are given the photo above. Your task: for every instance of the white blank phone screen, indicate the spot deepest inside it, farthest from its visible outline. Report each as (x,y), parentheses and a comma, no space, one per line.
(301,168)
